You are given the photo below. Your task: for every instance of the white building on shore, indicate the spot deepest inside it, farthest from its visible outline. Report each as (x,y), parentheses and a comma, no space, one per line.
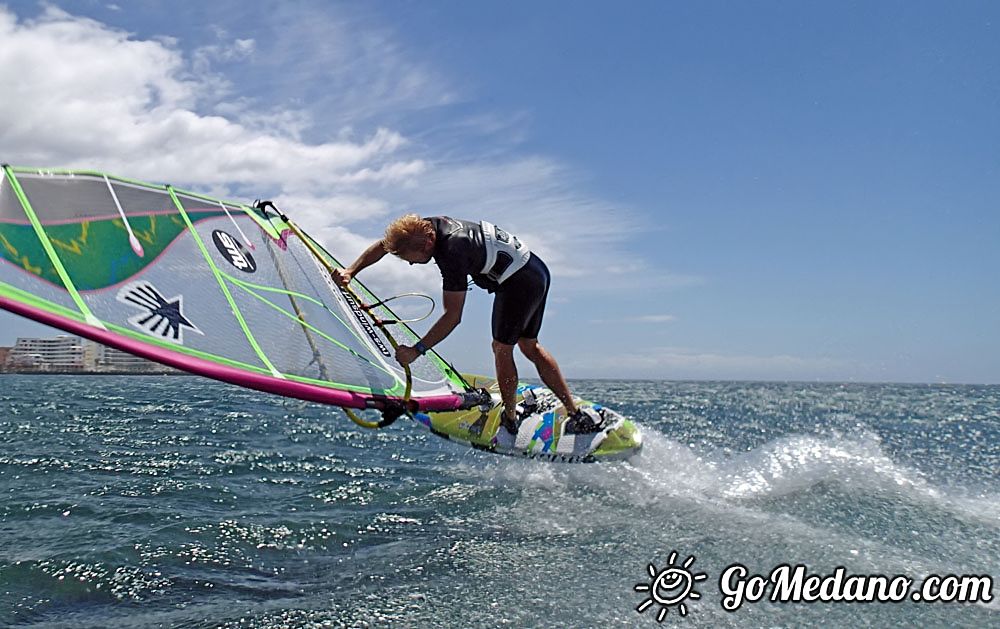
(111,359)
(62,353)
(66,353)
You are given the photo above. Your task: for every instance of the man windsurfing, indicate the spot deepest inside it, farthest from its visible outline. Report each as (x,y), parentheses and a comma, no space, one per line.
(503,265)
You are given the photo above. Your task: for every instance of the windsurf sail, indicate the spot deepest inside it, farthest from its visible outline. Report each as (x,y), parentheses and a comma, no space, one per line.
(220,289)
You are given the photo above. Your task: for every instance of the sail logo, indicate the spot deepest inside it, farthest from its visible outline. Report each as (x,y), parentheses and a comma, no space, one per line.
(234,251)
(160,316)
(363,321)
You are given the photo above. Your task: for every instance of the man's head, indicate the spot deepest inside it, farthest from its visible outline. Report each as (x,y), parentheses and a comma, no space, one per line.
(410,238)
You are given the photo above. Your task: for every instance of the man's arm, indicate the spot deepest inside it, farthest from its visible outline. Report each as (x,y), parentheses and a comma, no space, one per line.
(453,303)
(371,255)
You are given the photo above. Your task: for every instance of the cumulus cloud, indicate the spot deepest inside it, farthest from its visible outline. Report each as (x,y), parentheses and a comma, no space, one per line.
(82,94)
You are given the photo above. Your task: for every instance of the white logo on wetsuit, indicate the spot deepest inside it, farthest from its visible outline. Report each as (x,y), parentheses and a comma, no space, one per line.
(505,254)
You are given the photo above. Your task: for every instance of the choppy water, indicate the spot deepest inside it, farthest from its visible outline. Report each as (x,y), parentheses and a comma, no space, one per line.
(180,502)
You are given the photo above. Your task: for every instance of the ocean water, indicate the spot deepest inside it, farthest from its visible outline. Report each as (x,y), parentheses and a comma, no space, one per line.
(181,502)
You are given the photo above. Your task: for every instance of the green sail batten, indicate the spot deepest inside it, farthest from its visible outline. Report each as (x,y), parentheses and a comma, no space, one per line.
(222,284)
(19,245)
(252,288)
(183,349)
(28,299)
(50,251)
(397,388)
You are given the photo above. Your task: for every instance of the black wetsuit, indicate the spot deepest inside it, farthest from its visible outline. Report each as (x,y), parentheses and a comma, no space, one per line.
(519,302)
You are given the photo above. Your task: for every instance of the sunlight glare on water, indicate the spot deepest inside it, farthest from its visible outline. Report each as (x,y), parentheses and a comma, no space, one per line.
(175,501)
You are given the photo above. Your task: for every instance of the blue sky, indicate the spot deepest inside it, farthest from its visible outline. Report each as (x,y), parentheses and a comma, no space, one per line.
(767,190)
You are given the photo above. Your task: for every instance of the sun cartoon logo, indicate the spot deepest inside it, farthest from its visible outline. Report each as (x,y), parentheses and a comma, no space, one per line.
(669,587)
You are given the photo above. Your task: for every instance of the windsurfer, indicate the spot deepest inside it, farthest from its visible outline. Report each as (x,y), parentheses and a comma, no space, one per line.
(500,263)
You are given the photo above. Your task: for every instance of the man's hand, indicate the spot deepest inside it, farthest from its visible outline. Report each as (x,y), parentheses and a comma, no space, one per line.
(406,354)
(341,276)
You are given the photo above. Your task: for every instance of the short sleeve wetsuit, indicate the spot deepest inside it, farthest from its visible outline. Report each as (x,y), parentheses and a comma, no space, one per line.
(461,251)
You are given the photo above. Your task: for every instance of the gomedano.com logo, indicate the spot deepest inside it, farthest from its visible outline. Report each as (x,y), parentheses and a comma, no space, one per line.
(787,584)
(673,586)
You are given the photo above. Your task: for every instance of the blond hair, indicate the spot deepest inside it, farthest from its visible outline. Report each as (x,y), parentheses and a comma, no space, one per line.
(407,233)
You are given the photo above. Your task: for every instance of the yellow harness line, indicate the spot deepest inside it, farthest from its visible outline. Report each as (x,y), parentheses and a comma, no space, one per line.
(354,417)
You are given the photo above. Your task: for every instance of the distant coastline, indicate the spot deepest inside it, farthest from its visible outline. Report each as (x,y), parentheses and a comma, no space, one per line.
(71,355)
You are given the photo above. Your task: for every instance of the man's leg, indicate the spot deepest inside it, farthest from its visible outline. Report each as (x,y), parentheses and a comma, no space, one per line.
(503,356)
(548,371)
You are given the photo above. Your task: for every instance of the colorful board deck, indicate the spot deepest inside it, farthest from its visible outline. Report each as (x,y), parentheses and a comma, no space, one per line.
(541,433)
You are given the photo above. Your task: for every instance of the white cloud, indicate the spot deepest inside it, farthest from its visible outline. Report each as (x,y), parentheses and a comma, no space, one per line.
(350,68)
(315,210)
(538,199)
(80,93)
